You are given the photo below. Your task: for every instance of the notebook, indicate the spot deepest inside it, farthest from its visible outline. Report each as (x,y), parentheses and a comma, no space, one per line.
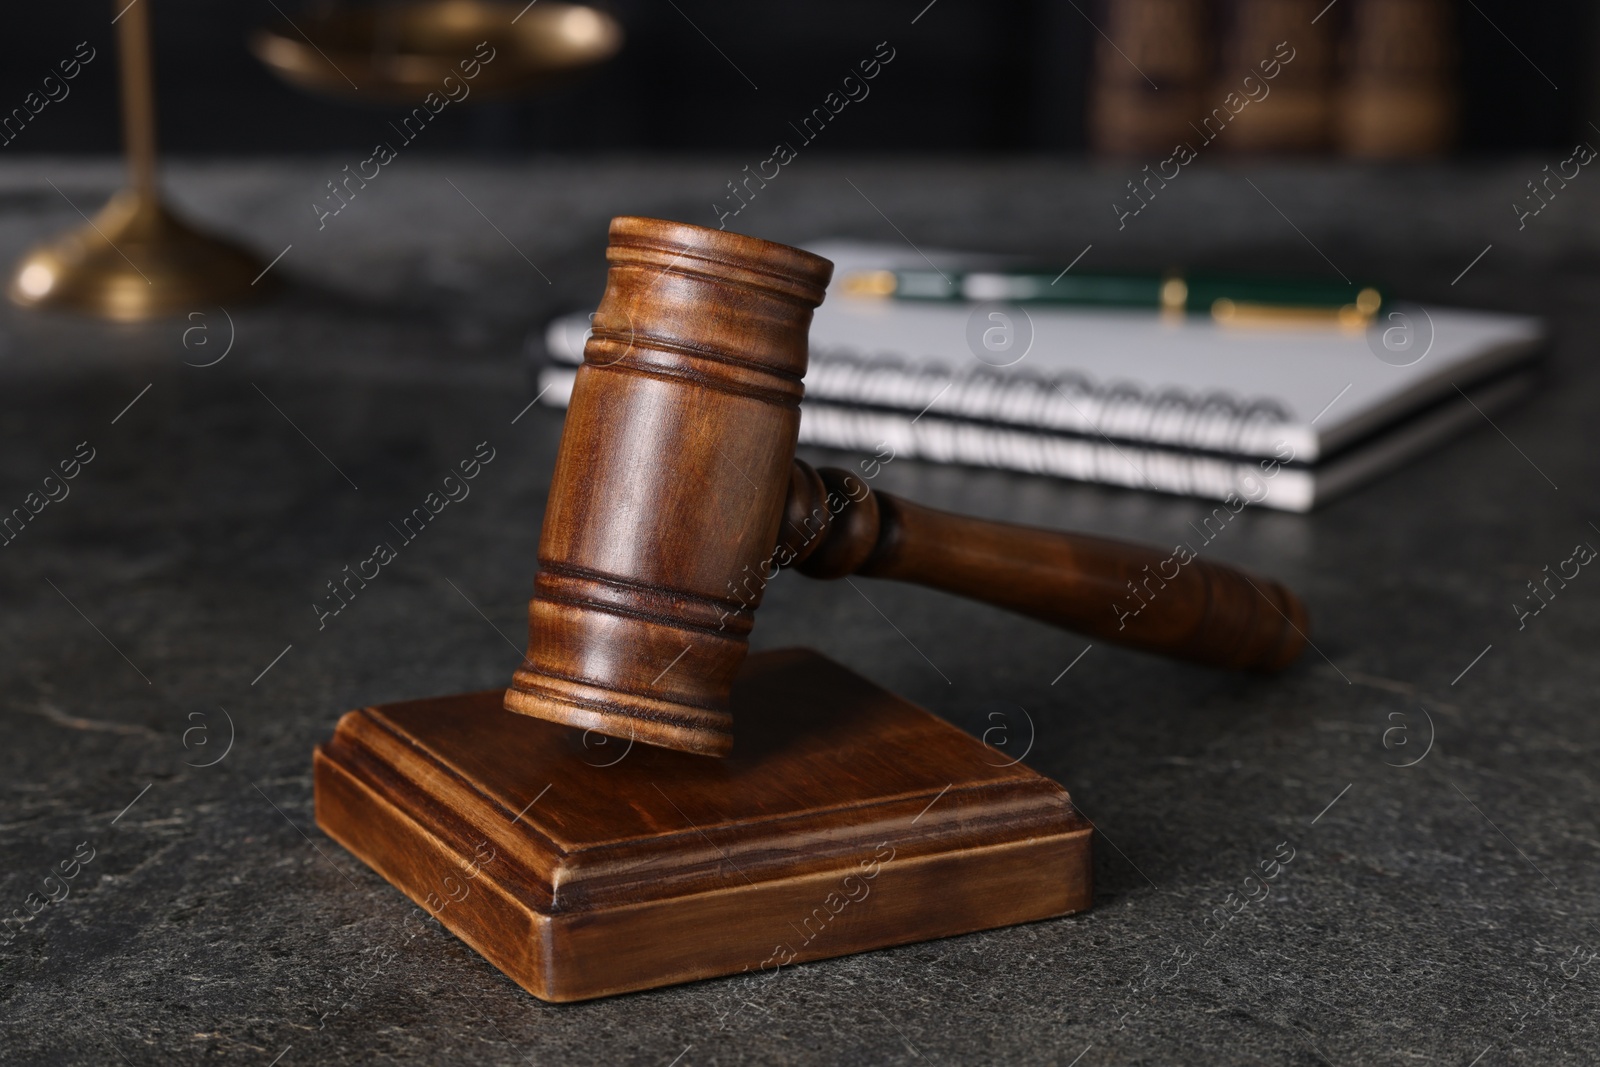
(1285,417)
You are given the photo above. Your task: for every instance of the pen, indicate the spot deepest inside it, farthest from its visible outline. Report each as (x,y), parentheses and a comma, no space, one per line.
(1229,299)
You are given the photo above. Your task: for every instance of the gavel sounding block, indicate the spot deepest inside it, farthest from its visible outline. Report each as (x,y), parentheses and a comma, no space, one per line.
(846,819)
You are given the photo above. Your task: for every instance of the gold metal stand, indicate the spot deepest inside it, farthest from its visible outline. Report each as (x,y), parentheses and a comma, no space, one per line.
(135,259)
(386,52)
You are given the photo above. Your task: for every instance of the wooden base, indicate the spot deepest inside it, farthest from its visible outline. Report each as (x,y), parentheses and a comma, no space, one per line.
(846,819)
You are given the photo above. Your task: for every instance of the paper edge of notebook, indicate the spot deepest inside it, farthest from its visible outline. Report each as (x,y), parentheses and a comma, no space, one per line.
(1406,441)
(1502,357)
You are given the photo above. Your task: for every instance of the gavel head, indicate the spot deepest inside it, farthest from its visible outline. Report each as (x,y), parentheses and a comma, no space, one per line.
(670,485)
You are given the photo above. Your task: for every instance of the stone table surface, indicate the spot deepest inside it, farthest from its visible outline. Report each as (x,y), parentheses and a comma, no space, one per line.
(1438,913)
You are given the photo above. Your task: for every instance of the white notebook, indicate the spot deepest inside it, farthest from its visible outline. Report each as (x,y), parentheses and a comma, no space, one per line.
(1288,418)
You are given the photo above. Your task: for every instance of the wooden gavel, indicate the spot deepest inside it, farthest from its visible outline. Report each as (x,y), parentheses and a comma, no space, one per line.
(677,495)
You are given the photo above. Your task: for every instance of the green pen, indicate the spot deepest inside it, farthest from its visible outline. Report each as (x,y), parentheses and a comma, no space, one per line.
(1229,299)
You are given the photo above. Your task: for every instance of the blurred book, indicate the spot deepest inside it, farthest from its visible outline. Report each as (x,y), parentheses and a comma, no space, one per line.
(1398,96)
(1151,70)
(1291,38)
(1374,79)
(1288,417)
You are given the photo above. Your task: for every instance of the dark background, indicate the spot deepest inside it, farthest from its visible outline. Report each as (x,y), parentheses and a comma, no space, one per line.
(1000,75)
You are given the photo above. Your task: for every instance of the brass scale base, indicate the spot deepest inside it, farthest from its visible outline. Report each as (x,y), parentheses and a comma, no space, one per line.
(846,819)
(136,260)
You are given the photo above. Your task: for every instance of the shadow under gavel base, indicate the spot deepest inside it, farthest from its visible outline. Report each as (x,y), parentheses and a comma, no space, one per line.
(846,819)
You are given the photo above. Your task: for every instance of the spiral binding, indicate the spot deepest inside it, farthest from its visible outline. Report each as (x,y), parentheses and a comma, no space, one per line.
(1064,425)
(1215,422)
(942,440)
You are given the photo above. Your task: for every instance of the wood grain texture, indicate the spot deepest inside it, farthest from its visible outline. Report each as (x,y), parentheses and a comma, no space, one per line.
(670,480)
(846,819)
(676,499)
(1200,611)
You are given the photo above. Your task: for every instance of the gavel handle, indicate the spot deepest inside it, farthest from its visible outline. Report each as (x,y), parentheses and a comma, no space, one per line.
(1166,602)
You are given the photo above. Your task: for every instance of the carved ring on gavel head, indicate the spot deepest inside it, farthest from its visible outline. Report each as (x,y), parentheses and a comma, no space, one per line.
(677,495)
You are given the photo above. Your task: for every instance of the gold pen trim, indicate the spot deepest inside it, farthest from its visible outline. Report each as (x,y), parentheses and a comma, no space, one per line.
(870,283)
(1350,317)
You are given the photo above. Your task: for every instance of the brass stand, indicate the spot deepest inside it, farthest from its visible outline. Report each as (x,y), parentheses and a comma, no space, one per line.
(136,260)
(377,52)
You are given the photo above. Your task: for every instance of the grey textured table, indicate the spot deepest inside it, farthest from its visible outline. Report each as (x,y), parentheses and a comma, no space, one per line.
(1439,913)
